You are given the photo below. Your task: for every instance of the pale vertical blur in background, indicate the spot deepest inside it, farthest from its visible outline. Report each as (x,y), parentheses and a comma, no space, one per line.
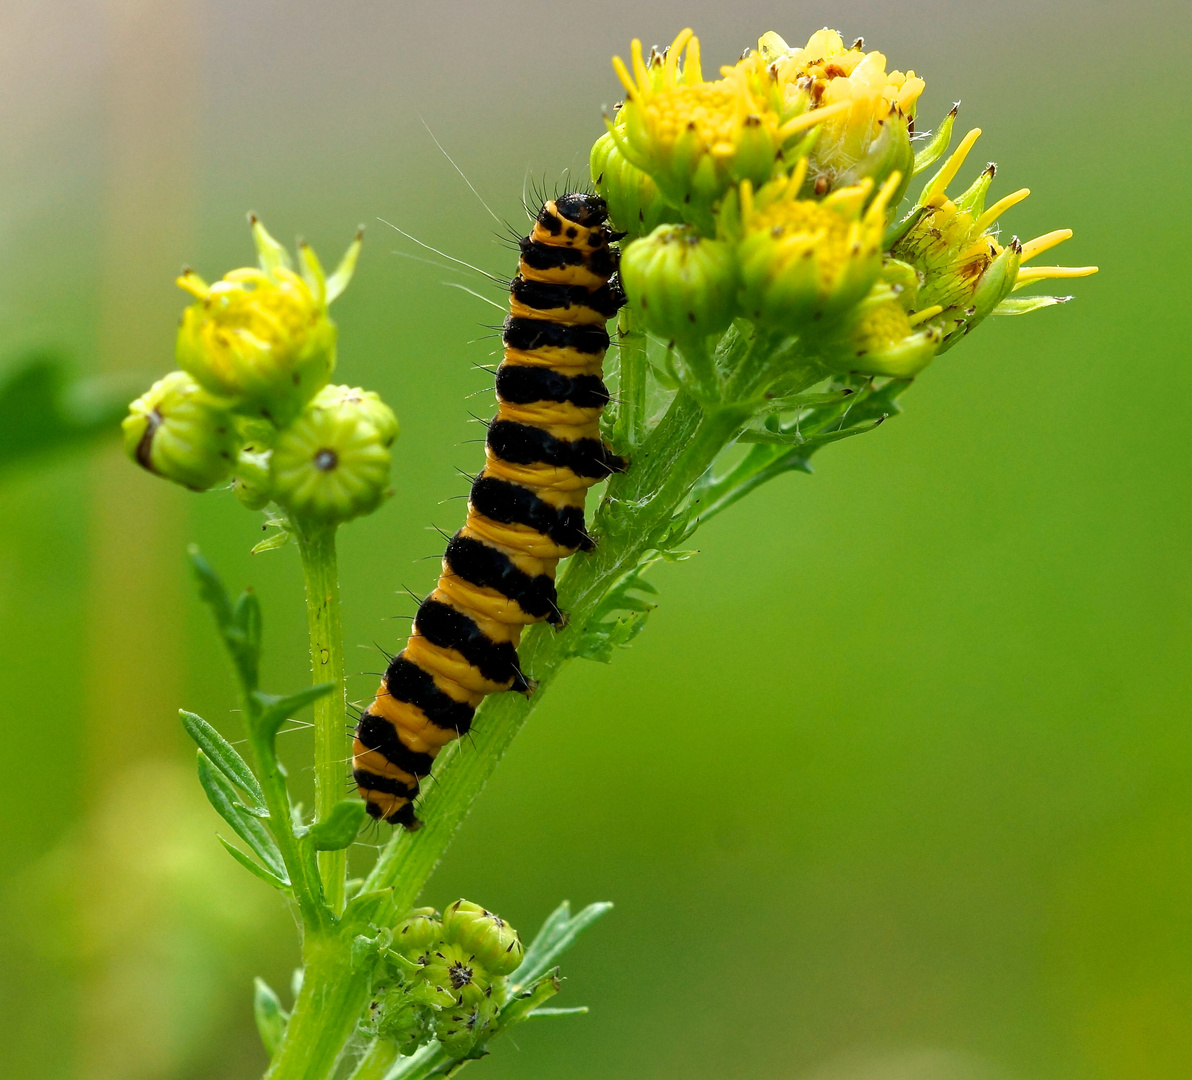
(895,786)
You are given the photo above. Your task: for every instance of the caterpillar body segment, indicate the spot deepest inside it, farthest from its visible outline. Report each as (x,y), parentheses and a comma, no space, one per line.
(525,510)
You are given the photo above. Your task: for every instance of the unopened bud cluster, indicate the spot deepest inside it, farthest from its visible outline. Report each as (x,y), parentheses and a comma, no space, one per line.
(444,978)
(253,402)
(771,194)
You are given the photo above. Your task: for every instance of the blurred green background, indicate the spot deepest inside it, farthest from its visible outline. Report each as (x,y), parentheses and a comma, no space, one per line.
(895,786)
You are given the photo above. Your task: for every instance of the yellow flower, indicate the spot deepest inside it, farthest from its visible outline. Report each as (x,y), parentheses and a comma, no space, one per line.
(868,134)
(804,260)
(954,246)
(261,337)
(697,139)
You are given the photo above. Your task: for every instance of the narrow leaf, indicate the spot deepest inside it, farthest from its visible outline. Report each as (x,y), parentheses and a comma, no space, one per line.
(271,1018)
(340,827)
(272,543)
(556,937)
(223,756)
(222,796)
(211,588)
(1026,304)
(254,867)
(277,709)
(242,639)
(578,1010)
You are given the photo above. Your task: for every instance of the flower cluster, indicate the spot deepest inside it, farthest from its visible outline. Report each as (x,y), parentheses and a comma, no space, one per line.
(444,978)
(771,195)
(253,402)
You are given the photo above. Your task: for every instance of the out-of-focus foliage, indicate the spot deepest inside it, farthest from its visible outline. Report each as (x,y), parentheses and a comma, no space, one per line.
(44,408)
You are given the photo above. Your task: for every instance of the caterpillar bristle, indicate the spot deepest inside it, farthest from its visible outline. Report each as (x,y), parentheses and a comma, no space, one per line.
(525,508)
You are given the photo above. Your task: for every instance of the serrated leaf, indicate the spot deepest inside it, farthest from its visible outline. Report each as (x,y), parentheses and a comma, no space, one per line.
(276,709)
(271,1018)
(557,935)
(272,543)
(252,866)
(222,797)
(224,757)
(340,827)
(619,617)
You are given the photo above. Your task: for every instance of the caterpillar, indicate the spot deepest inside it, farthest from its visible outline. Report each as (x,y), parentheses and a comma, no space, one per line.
(525,511)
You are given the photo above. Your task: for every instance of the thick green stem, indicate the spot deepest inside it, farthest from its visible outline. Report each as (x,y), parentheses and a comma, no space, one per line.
(376,1063)
(325,624)
(332,998)
(638,508)
(631,393)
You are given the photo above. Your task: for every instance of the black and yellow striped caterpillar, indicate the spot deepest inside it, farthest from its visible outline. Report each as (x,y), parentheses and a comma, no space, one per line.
(525,511)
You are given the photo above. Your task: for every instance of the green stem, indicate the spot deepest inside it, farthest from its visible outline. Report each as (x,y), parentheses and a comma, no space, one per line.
(631,409)
(382,1055)
(325,624)
(332,998)
(637,510)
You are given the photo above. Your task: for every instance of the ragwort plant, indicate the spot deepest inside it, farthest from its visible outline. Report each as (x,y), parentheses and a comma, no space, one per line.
(779,297)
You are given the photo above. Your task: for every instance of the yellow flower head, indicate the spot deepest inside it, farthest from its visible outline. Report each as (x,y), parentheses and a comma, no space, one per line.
(260,337)
(868,133)
(965,270)
(804,260)
(697,139)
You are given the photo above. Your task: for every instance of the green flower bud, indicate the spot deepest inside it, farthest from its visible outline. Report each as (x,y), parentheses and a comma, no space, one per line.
(492,941)
(363,403)
(684,286)
(882,339)
(250,484)
(178,431)
(393,1014)
(329,466)
(462,1027)
(635,205)
(261,337)
(805,262)
(450,968)
(417,935)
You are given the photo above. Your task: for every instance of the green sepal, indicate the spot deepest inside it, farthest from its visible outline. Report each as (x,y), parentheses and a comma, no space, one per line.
(339,828)
(271,1018)
(223,756)
(1026,304)
(275,709)
(528,999)
(271,543)
(254,867)
(555,937)
(239,626)
(936,146)
(223,798)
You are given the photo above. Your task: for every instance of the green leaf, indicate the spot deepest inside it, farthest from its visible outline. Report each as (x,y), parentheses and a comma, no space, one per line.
(272,1019)
(224,757)
(272,543)
(557,935)
(339,828)
(222,796)
(367,909)
(275,709)
(44,410)
(252,866)
(577,1010)
(240,627)
(619,618)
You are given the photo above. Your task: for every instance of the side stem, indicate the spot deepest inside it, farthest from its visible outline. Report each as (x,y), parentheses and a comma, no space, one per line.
(316,546)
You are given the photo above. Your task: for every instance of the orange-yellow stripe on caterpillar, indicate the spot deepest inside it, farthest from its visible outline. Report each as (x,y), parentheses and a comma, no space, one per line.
(525,512)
